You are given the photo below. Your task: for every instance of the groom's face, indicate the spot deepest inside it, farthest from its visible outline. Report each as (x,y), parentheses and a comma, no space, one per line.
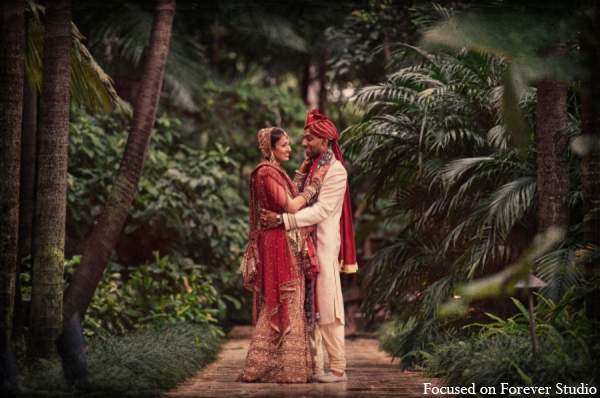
(313,145)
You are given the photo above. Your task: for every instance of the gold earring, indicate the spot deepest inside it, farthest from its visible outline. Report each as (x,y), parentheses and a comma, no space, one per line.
(272,158)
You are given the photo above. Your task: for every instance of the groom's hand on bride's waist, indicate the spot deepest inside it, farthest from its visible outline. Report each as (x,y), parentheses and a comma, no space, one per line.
(268,219)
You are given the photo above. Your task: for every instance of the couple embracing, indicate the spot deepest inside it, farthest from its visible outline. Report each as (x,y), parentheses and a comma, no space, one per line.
(300,240)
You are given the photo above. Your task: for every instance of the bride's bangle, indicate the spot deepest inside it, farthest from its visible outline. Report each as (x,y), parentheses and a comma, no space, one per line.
(312,189)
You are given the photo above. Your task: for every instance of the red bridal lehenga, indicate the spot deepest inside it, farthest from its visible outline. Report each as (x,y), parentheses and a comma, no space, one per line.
(274,268)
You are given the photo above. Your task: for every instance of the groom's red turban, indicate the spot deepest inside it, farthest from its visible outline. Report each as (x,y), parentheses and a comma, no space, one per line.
(321,126)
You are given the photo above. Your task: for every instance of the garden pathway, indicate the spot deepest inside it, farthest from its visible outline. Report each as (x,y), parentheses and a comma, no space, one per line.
(370,374)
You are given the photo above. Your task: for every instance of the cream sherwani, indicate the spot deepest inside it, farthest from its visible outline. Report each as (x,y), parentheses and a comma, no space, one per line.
(326,214)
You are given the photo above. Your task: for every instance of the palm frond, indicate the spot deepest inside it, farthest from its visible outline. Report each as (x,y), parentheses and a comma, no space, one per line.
(511,201)
(121,36)
(498,136)
(430,13)
(457,168)
(560,270)
(90,85)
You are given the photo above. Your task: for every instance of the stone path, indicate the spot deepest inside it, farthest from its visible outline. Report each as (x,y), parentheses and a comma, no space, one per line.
(370,374)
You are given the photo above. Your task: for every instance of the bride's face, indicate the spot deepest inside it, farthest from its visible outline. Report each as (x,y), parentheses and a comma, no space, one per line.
(282,149)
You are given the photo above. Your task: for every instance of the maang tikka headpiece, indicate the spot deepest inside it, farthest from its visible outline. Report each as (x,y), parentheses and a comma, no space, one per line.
(264,142)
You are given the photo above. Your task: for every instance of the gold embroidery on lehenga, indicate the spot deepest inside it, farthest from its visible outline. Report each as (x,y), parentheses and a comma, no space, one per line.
(289,361)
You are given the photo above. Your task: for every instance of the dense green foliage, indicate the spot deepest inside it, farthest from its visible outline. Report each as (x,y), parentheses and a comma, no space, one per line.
(438,123)
(187,198)
(156,293)
(501,351)
(392,335)
(188,207)
(360,45)
(139,364)
(236,111)
(461,196)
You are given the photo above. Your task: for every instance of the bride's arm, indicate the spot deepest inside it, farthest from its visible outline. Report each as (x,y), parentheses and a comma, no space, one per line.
(295,204)
(273,189)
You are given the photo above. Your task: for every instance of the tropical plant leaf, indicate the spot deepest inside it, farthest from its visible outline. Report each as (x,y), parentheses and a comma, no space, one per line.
(90,85)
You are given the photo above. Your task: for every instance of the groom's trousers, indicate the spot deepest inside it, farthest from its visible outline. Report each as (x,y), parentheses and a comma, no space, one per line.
(332,336)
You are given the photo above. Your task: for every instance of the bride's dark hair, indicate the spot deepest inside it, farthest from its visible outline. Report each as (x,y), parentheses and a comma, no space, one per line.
(276,135)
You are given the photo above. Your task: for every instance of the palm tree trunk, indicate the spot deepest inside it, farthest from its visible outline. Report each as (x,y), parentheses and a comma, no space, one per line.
(103,238)
(310,86)
(29,130)
(49,231)
(314,84)
(12,56)
(590,163)
(28,169)
(552,156)
(323,80)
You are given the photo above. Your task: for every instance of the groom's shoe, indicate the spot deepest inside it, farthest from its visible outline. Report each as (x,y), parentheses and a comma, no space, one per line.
(331,378)
(316,377)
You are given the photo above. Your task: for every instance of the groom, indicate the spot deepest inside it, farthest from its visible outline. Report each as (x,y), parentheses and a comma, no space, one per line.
(330,210)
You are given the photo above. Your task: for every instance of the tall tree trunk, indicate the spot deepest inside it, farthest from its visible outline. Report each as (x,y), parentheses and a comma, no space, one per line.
(323,80)
(552,156)
(310,86)
(103,238)
(314,83)
(26,196)
(590,163)
(49,231)
(12,56)
(28,170)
